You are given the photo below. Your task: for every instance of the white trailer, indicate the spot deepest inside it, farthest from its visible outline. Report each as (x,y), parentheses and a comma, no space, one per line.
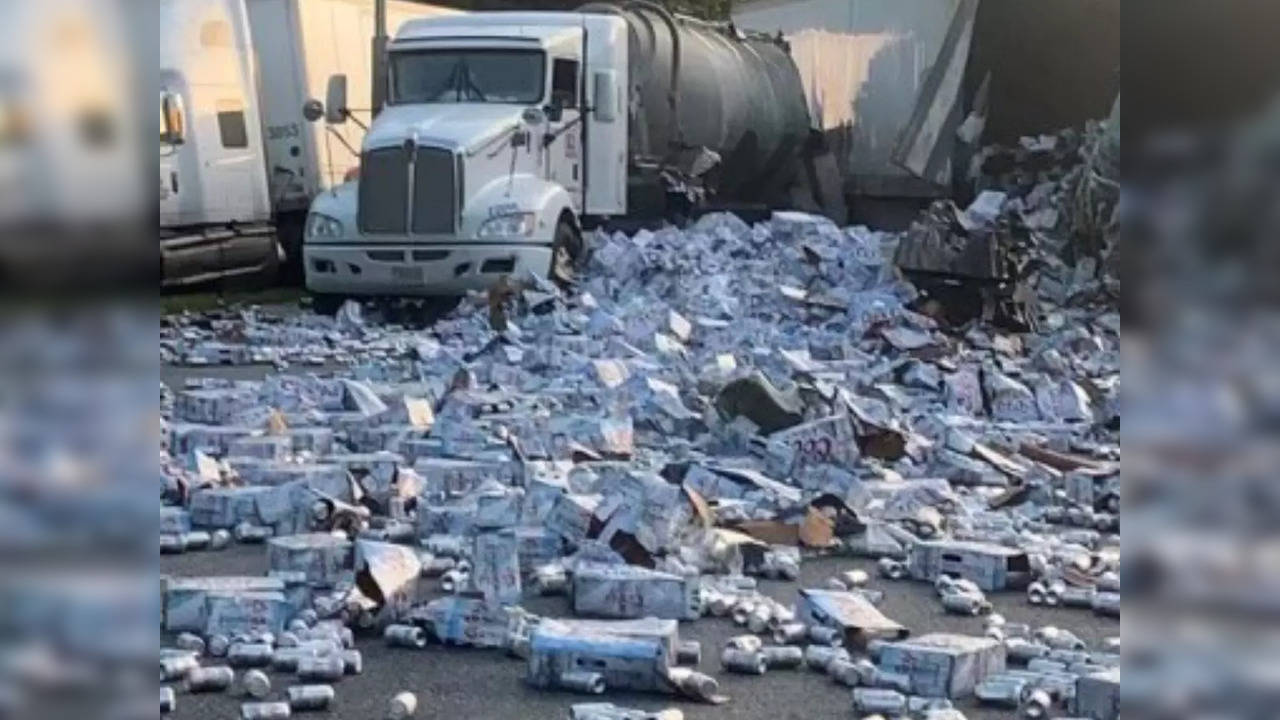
(299,44)
(214,204)
(239,165)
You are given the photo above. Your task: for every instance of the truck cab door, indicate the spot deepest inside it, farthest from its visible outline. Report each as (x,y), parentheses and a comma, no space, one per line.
(170,181)
(563,154)
(605,119)
(181,190)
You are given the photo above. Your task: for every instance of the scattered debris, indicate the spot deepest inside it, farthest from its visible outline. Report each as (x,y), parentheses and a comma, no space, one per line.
(403,705)
(709,406)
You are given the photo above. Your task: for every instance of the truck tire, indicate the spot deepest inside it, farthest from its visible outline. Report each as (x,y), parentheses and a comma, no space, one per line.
(566,251)
(326,304)
(289,230)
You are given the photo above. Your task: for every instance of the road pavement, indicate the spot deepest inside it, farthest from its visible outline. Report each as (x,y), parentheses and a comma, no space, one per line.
(472,684)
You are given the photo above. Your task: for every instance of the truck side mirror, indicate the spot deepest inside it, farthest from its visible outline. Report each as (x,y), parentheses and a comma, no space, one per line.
(554,111)
(174,116)
(605,93)
(312,110)
(335,103)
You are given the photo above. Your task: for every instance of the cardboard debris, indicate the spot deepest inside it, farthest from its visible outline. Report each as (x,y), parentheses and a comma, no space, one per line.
(702,404)
(850,613)
(387,574)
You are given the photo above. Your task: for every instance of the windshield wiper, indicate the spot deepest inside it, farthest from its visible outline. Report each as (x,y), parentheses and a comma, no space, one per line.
(451,81)
(471,83)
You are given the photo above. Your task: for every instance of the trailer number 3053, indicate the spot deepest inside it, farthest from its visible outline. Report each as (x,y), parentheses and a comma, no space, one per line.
(283,132)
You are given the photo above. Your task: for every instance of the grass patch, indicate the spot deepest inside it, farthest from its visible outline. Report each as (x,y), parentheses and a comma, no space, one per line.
(198,302)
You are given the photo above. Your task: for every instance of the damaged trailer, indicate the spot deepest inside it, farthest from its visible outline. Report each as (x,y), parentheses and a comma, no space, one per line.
(891,84)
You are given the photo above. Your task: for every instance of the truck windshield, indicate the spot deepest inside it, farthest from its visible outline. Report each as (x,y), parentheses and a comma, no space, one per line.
(456,76)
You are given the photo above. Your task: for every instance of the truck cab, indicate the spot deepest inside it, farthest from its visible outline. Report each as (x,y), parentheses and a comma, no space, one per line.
(501,132)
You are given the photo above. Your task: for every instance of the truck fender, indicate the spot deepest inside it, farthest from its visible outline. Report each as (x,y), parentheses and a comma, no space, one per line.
(341,203)
(521,193)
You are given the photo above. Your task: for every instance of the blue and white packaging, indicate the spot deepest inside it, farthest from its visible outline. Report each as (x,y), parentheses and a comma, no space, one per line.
(184,598)
(628,591)
(495,566)
(944,664)
(325,559)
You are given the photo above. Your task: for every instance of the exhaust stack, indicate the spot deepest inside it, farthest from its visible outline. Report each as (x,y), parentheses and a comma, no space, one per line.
(379,65)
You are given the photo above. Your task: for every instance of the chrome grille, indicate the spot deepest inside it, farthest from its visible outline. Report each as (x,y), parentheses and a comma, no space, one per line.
(434,191)
(384,191)
(387,198)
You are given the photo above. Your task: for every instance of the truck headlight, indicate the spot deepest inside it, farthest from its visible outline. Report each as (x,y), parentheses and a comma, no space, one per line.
(504,226)
(323,226)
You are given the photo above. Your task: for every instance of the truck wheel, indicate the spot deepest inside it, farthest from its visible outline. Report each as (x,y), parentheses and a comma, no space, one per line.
(566,250)
(326,304)
(289,230)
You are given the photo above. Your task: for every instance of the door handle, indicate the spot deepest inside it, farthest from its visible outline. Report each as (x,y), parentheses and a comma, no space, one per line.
(173,181)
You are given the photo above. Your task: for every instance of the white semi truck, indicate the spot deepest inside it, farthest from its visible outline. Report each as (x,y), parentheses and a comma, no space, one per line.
(501,136)
(239,165)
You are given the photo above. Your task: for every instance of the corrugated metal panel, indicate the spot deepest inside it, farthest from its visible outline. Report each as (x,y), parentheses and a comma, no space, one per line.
(862,63)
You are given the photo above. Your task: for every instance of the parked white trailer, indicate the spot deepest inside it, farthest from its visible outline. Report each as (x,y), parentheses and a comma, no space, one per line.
(215,210)
(239,165)
(299,44)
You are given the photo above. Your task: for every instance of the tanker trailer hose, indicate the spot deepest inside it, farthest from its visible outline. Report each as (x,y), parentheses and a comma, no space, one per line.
(670,21)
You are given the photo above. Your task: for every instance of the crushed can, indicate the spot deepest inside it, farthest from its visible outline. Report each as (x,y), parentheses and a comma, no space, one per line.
(265,711)
(965,604)
(217,678)
(256,684)
(402,706)
(1036,704)
(168,703)
(792,633)
(325,669)
(879,700)
(820,657)
(782,657)
(249,655)
(844,672)
(823,635)
(219,539)
(743,661)
(408,636)
(305,698)
(218,645)
(175,667)
(689,652)
(582,681)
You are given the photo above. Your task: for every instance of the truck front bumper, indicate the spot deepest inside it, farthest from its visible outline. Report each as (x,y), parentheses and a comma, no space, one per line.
(416,269)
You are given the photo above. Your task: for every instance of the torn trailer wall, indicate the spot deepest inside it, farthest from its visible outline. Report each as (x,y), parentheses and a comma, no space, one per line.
(862,65)
(890,84)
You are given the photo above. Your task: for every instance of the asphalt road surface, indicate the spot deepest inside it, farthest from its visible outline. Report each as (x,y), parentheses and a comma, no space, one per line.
(473,684)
